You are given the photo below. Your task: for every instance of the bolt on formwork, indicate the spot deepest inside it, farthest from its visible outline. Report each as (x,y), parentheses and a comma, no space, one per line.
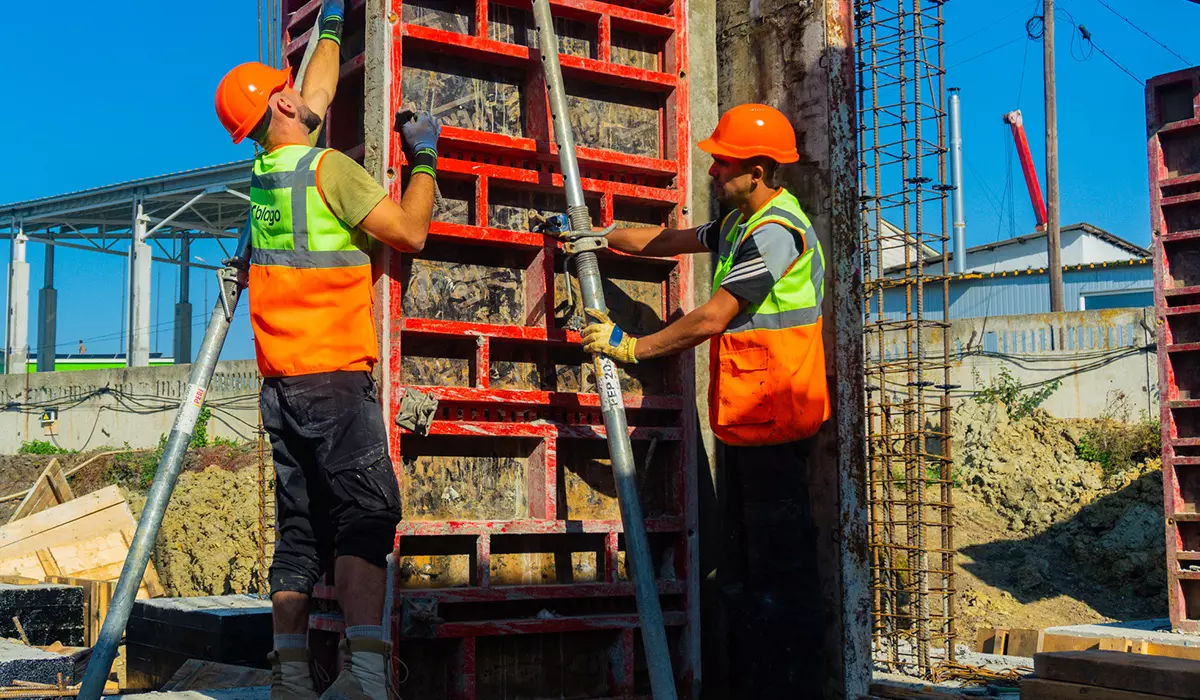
(903,187)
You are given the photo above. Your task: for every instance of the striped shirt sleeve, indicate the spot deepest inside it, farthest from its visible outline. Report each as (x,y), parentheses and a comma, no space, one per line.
(708,235)
(761,261)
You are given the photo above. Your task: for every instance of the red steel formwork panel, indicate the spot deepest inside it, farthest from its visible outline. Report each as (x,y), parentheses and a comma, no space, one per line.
(1173,130)
(512,578)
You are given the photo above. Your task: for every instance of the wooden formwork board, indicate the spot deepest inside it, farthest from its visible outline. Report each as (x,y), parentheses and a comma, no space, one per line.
(512,578)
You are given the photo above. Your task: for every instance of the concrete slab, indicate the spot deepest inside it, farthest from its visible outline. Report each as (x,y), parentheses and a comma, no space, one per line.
(255,693)
(1157,630)
(21,663)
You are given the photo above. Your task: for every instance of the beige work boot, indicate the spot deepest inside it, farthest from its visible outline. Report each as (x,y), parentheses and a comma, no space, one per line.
(290,675)
(366,673)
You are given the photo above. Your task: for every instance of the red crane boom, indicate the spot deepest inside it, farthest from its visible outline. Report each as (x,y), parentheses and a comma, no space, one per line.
(1014,120)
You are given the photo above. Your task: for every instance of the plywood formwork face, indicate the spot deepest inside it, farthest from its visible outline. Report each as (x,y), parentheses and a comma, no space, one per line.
(1173,128)
(512,579)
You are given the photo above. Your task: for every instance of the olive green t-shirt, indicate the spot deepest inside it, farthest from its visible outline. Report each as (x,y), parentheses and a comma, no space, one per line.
(348,189)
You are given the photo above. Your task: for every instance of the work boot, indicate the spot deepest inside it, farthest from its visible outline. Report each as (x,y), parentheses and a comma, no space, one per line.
(366,673)
(290,676)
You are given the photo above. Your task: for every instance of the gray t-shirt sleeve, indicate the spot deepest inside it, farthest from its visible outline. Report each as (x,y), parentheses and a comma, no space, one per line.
(761,261)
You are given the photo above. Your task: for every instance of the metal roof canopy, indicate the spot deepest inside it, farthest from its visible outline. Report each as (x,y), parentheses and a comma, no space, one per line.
(127,219)
(203,204)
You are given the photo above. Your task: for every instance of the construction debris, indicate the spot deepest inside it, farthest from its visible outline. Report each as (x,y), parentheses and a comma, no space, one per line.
(19,662)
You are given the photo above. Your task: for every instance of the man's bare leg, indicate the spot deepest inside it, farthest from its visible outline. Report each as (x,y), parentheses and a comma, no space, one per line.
(289,615)
(361,587)
(289,612)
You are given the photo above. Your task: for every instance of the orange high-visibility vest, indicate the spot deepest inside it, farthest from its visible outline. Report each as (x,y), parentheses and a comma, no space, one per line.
(311,291)
(768,367)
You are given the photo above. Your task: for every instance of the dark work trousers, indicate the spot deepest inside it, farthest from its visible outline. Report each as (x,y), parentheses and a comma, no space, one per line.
(335,491)
(770,587)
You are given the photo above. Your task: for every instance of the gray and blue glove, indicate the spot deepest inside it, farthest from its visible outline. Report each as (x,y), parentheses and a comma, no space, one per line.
(420,132)
(333,16)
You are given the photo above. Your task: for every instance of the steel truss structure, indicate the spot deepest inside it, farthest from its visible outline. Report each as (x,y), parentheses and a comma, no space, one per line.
(152,220)
(904,188)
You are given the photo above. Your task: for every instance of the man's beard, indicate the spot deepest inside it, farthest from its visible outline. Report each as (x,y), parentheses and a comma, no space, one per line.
(309,119)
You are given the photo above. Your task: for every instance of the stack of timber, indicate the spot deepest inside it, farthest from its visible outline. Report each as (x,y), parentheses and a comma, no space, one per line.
(84,538)
(1111,675)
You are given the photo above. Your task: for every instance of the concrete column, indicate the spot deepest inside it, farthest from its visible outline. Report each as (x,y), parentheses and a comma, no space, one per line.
(140,291)
(47,316)
(17,347)
(799,58)
(183,309)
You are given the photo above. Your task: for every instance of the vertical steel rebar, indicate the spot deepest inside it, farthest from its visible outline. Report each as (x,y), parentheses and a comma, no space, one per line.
(905,212)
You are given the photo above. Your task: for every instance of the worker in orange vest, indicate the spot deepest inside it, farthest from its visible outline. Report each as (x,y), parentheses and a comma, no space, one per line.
(767,397)
(314,213)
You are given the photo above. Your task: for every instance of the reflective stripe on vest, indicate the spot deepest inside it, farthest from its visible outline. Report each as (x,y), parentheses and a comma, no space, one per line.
(768,367)
(311,287)
(286,179)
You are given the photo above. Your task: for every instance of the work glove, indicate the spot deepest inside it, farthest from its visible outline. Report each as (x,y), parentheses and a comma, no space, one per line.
(420,131)
(333,16)
(606,337)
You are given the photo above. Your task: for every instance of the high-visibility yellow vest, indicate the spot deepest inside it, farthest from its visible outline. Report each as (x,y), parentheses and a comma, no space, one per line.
(768,367)
(311,291)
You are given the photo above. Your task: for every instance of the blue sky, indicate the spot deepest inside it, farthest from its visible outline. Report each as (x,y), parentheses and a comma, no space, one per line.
(102,96)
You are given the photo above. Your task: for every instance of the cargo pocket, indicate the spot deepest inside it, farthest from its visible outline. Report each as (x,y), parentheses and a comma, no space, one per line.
(365,484)
(744,394)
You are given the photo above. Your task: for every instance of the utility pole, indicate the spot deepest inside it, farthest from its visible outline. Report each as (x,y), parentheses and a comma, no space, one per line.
(1053,243)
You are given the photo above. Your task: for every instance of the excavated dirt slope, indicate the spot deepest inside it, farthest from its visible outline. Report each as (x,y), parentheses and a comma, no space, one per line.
(1046,538)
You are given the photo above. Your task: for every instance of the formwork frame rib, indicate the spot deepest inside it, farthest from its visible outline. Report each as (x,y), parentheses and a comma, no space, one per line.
(904,187)
(478,165)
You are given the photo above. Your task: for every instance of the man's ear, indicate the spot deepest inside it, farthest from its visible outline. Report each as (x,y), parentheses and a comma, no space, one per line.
(286,106)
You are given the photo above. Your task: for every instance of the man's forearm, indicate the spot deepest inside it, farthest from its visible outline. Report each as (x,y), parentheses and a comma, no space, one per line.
(655,241)
(684,334)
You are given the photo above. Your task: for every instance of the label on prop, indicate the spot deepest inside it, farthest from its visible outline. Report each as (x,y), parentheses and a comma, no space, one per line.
(190,410)
(607,384)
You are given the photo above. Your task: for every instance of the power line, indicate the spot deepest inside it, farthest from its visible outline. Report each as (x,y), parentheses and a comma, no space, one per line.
(981,55)
(1144,33)
(988,26)
(1087,37)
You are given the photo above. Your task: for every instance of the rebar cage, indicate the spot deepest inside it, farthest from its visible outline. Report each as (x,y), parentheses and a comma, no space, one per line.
(905,220)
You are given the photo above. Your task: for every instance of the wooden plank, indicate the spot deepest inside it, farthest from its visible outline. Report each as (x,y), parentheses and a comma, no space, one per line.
(73,513)
(1156,675)
(900,690)
(18,580)
(49,565)
(1043,689)
(1024,642)
(196,674)
(150,582)
(49,490)
(97,597)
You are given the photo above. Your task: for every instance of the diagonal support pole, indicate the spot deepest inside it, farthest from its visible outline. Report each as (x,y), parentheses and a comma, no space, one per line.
(654,636)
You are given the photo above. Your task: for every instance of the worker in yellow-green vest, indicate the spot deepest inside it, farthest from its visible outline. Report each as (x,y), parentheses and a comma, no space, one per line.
(767,397)
(314,213)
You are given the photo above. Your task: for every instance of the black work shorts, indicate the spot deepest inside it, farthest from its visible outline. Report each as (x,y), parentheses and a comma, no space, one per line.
(336,493)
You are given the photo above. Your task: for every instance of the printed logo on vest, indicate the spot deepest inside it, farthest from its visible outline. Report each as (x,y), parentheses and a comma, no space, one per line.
(266,215)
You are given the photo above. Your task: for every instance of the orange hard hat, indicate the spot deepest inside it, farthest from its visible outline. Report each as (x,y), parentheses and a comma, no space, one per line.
(243,93)
(753,130)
